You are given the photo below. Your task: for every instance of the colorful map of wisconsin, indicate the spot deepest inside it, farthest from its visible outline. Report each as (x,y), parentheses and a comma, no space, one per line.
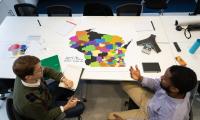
(100,50)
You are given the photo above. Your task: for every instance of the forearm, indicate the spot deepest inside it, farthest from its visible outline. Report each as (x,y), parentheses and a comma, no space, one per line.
(50,73)
(140,79)
(153,84)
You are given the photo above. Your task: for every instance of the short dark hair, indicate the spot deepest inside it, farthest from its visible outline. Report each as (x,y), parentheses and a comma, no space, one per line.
(24,66)
(183,78)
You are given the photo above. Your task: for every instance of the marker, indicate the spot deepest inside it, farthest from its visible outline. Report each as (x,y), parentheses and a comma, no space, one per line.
(153,26)
(39,23)
(126,45)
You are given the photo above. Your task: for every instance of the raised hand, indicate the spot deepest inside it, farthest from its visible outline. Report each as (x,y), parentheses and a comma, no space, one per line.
(135,73)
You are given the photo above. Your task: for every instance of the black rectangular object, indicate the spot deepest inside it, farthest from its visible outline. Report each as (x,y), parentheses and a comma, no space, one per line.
(151,67)
(177,47)
(194,27)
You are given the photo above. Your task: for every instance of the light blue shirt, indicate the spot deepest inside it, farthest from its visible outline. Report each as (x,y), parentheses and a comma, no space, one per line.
(164,107)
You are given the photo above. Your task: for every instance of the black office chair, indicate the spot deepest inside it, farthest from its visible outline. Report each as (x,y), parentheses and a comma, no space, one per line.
(197,9)
(156,4)
(59,10)
(129,9)
(9,109)
(25,9)
(97,9)
(13,115)
(5,86)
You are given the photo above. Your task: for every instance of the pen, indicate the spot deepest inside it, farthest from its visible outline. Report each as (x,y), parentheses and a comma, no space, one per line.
(39,23)
(153,26)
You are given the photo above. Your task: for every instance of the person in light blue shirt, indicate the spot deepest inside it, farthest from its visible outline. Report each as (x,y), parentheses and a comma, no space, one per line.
(166,98)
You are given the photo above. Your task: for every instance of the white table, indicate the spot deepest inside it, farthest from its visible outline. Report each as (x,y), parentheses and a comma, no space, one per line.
(126,27)
(16,29)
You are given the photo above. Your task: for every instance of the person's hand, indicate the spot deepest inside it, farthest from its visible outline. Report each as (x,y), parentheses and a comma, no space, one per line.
(68,83)
(71,103)
(117,117)
(135,73)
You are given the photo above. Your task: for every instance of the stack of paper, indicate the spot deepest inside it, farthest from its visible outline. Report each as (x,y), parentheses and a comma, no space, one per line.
(73,73)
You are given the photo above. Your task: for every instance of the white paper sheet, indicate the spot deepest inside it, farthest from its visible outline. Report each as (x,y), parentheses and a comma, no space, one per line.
(73,73)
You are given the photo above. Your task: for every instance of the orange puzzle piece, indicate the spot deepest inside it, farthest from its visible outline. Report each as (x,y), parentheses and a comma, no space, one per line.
(180,61)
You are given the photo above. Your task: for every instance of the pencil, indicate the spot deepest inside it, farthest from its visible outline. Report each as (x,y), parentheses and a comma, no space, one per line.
(153,26)
(39,23)
(71,22)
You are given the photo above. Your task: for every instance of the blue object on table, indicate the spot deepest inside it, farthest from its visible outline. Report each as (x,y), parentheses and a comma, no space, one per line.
(23,49)
(195,46)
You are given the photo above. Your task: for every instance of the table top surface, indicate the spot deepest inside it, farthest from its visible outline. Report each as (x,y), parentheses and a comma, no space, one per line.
(51,39)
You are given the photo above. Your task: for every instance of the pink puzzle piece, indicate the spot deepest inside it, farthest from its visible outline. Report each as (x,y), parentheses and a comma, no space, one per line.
(14,47)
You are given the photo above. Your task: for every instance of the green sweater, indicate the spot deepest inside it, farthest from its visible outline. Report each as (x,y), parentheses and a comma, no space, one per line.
(36,102)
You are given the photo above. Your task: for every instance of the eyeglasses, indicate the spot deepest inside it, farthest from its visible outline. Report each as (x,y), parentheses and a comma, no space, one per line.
(38,71)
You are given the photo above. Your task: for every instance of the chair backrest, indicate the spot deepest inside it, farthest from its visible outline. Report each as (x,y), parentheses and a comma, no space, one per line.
(197,9)
(25,9)
(155,4)
(5,85)
(59,10)
(12,113)
(9,109)
(129,9)
(97,9)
